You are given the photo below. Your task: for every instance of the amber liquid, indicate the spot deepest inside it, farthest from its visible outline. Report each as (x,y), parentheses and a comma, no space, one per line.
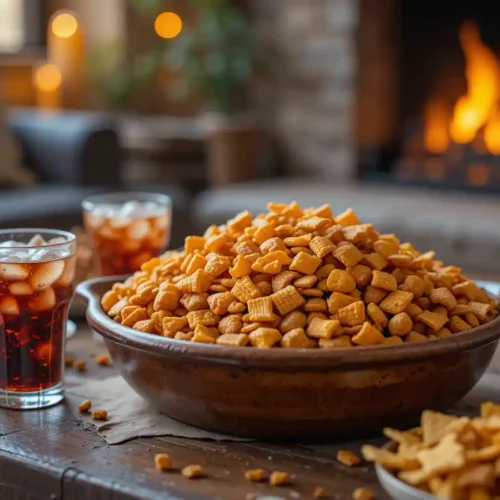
(124,248)
(32,338)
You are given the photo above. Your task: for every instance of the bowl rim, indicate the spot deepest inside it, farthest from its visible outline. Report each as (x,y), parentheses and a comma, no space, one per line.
(390,482)
(92,290)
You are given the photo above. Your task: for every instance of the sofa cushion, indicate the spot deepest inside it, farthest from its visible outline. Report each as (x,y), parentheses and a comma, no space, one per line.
(12,172)
(462,228)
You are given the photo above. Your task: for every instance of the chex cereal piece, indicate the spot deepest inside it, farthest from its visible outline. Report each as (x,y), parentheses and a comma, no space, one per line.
(396,302)
(260,309)
(85,406)
(79,366)
(287,300)
(99,414)
(319,492)
(193,471)
(362,494)
(278,478)
(261,282)
(368,335)
(347,457)
(264,338)
(322,328)
(255,475)
(102,360)
(163,462)
(69,361)
(353,314)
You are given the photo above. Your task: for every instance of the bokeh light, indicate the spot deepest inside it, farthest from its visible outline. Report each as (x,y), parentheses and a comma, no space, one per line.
(64,25)
(168,25)
(48,78)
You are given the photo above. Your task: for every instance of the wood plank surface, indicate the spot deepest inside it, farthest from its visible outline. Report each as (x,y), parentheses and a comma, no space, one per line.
(47,454)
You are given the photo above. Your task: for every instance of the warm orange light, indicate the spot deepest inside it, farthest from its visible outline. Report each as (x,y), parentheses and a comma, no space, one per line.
(436,138)
(64,25)
(483,86)
(168,25)
(478,175)
(48,78)
(492,134)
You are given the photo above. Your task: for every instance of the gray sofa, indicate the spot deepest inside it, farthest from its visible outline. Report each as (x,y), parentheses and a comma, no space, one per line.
(73,155)
(462,228)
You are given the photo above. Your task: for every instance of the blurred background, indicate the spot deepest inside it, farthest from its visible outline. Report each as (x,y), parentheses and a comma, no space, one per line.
(388,106)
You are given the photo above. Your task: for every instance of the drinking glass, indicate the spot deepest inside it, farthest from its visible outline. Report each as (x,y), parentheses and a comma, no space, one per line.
(127,229)
(37,268)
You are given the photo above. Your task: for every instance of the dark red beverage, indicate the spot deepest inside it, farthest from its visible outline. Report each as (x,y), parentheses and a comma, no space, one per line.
(34,303)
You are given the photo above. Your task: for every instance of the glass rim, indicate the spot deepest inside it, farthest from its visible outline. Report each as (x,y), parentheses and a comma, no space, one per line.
(39,230)
(89,202)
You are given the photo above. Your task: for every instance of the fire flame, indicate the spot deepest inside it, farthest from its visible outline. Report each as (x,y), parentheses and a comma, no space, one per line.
(475,111)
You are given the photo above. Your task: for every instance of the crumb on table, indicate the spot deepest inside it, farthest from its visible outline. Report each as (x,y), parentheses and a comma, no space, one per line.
(193,471)
(362,494)
(85,406)
(79,366)
(102,360)
(254,474)
(163,461)
(347,457)
(279,478)
(319,492)
(69,361)
(99,414)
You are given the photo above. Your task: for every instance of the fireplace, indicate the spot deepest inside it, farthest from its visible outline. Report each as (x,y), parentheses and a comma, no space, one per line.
(429,93)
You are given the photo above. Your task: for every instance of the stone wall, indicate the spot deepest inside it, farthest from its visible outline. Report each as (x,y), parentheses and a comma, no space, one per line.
(310,101)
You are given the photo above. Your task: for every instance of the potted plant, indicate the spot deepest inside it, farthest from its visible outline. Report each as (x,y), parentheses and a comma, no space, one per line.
(216,59)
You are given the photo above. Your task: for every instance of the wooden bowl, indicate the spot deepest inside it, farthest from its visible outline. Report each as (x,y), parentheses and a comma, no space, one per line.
(292,393)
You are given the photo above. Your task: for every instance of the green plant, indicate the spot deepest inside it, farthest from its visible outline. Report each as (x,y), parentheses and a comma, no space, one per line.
(215,58)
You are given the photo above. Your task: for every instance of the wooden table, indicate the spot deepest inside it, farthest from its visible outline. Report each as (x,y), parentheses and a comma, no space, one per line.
(46,454)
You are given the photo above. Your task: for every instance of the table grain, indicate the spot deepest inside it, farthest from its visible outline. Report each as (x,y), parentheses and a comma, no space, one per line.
(47,454)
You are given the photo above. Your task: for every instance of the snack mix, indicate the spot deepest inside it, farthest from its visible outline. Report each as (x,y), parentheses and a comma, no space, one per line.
(298,279)
(457,458)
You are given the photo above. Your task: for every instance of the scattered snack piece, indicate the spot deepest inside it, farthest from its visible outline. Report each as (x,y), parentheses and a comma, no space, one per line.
(79,366)
(254,280)
(69,361)
(85,406)
(278,478)
(99,414)
(319,492)
(347,457)
(451,457)
(255,475)
(362,494)
(193,471)
(163,461)
(102,360)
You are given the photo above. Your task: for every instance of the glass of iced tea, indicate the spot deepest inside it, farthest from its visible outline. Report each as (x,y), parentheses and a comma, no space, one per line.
(127,229)
(37,267)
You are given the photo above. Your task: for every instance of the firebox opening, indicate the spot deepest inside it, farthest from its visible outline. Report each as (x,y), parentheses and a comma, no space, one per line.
(444,71)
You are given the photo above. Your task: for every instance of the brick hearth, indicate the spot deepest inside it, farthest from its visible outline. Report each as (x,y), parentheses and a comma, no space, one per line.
(315,82)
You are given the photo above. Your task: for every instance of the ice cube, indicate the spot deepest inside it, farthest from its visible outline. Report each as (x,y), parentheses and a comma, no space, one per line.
(68,274)
(130,209)
(37,241)
(8,305)
(43,302)
(57,240)
(139,229)
(12,243)
(118,222)
(46,274)
(13,272)
(20,288)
